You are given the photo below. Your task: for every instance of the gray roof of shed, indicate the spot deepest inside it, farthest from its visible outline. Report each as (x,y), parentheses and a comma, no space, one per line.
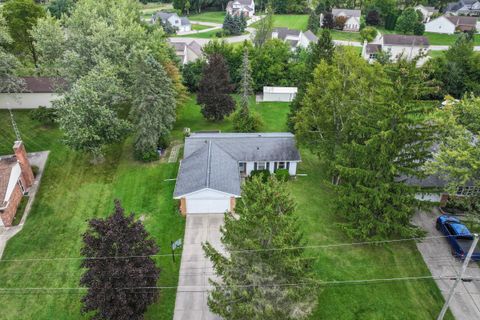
(211,159)
(348,12)
(310,36)
(284,32)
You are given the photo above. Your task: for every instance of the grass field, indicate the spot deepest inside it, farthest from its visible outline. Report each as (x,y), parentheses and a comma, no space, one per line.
(292,21)
(74,191)
(202,35)
(199,27)
(345,36)
(211,16)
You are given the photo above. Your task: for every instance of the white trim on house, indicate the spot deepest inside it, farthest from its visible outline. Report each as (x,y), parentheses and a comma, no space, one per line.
(205,189)
(12,181)
(27,100)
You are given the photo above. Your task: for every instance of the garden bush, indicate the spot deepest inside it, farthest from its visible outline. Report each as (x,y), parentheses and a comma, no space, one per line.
(282,174)
(263,174)
(368,33)
(44,115)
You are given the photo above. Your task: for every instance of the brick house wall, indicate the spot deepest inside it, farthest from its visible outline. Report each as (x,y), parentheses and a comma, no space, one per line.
(27,173)
(8,214)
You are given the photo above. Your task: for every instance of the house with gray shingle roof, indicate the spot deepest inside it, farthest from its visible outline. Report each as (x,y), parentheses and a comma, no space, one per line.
(295,38)
(405,46)
(187,52)
(181,24)
(353,18)
(450,24)
(214,164)
(239,7)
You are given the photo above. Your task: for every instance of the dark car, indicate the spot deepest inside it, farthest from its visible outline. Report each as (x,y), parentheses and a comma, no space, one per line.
(458,235)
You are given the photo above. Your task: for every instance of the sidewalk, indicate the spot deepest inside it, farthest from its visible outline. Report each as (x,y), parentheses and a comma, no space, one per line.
(38,159)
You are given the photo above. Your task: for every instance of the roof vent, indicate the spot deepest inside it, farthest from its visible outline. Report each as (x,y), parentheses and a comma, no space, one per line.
(258,148)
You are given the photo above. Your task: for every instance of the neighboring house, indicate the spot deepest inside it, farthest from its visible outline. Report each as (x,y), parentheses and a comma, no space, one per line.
(451,24)
(187,52)
(353,18)
(427,12)
(238,7)
(282,94)
(214,165)
(16,178)
(397,45)
(38,91)
(181,24)
(464,7)
(295,38)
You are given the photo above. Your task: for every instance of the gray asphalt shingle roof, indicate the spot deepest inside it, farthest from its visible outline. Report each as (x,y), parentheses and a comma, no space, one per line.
(211,159)
(404,40)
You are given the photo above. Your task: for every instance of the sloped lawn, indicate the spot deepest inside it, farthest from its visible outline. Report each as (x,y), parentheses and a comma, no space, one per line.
(210,16)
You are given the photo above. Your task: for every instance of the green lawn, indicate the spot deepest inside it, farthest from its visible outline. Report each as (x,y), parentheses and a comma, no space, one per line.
(211,16)
(199,27)
(74,191)
(292,21)
(436,53)
(345,36)
(202,35)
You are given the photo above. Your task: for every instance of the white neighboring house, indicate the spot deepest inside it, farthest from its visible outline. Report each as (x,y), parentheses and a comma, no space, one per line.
(427,12)
(353,18)
(464,7)
(187,52)
(181,24)
(397,45)
(295,38)
(238,7)
(38,91)
(451,24)
(280,94)
(214,164)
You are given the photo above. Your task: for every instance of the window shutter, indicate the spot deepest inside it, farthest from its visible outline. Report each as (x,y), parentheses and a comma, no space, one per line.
(254,166)
(288,165)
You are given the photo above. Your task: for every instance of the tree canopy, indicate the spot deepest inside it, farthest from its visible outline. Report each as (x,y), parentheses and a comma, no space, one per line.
(251,274)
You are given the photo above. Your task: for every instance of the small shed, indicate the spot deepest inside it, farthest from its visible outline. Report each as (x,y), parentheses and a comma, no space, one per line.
(280,94)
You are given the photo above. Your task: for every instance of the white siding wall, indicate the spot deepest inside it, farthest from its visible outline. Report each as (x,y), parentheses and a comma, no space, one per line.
(250,166)
(27,100)
(408,52)
(292,170)
(279,97)
(440,25)
(352,24)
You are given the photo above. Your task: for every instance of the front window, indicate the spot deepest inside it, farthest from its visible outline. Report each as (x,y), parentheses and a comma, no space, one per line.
(261,165)
(281,165)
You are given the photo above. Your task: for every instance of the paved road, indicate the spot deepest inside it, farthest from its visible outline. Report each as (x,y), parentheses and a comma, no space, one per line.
(196,269)
(436,253)
(38,159)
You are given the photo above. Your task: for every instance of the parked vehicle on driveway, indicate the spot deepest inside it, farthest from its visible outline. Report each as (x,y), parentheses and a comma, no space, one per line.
(458,235)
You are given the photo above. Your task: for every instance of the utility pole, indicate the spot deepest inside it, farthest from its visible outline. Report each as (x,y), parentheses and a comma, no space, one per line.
(459,277)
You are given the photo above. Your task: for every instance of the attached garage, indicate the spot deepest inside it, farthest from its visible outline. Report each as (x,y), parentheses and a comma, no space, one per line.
(207,201)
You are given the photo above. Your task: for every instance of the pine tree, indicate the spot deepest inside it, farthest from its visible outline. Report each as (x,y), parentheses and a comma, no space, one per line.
(244,120)
(313,22)
(111,282)
(323,49)
(153,109)
(250,285)
(214,89)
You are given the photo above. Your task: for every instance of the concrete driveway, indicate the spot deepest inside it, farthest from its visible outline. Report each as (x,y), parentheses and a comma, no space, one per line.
(196,269)
(436,253)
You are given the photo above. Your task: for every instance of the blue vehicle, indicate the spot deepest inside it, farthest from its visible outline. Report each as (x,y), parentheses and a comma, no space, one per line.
(458,236)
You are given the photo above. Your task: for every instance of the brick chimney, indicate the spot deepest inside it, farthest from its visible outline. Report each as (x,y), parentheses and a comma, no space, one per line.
(27,173)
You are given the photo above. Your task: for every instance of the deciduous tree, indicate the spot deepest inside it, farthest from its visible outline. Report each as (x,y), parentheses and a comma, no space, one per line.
(255,283)
(120,276)
(214,89)
(57,8)
(265,27)
(21,16)
(9,82)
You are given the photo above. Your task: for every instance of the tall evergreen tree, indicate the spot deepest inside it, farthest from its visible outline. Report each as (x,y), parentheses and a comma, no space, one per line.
(323,49)
(363,124)
(215,88)
(254,283)
(118,288)
(244,120)
(313,22)
(153,109)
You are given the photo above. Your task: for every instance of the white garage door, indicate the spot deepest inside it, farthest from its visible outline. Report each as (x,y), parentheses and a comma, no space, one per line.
(208,205)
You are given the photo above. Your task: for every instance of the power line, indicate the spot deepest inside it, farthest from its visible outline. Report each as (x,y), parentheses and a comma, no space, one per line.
(242,251)
(201,288)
